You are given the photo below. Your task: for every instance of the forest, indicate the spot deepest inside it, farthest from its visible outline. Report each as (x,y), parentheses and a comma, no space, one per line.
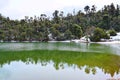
(96,24)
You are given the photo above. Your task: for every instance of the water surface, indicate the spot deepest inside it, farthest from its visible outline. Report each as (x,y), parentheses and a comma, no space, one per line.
(59,61)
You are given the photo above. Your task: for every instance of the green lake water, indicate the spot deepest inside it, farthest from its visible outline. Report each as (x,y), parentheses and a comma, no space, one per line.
(59,61)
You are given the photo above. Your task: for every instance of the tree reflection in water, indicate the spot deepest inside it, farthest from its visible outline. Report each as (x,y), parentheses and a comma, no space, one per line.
(109,63)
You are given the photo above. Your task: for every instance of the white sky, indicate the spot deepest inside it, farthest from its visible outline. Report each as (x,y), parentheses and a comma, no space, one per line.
(17,9)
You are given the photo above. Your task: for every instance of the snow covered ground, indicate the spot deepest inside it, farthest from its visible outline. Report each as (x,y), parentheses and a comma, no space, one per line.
(116,38)
(113,40)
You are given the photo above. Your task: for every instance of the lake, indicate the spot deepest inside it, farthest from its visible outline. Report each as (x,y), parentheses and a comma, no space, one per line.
(59,61)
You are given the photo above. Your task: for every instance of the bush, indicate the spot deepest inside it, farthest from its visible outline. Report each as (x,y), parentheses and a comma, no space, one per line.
(112,32)
(99,34)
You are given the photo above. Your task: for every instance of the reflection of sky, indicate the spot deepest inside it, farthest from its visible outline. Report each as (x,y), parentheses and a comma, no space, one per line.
(23,71)
(113,48)
(4,74)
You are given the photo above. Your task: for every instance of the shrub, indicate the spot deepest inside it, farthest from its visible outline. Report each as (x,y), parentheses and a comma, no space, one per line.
(112,32)
(99,34)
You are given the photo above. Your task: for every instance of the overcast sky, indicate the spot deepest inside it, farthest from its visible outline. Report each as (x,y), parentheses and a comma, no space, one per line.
(17,9)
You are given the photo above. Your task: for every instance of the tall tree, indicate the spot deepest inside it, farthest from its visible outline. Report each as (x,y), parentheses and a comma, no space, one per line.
(87,10)
(56,16)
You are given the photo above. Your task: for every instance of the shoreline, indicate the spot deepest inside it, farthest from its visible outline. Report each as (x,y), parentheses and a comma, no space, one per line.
(68,41)
(109,42)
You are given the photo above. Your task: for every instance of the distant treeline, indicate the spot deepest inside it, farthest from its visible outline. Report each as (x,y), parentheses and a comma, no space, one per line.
(60,27)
